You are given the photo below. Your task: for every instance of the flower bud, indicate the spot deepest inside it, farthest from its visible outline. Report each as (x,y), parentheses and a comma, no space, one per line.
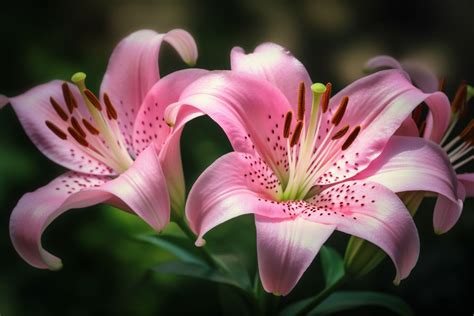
(361,256)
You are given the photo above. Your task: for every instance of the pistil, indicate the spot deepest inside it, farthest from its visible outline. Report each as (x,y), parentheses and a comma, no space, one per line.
(306,161)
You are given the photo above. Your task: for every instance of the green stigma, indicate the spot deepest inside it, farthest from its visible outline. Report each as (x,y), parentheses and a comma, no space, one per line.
(318,88)
(78,77)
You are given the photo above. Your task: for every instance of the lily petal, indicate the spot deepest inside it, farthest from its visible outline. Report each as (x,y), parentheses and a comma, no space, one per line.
(379,103)
(446,213)
(34,108)
(141,189)
(408,128)
(150,123)
(372,212)
(133,70)
(36,210)
(403,166)
(234,185)
(170,158)
(277,65)
(467,179)
(285,249)
(382,62)
(228,98)
(421,76)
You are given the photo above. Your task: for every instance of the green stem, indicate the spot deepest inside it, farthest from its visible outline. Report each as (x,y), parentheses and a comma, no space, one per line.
(190,234)
(323,295)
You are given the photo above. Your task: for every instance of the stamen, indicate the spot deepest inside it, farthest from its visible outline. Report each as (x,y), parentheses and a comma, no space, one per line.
(287,126)
(110,144)
(59,110)
(350,139)
(77,127)
(464,162)
(441,84)
(93,99)
(326,97)
(111,112)
(81,140)
(68,97)
(459,98)
(337,117)
(301,101)
(56,130)
(296,133)
(468,132)
(90,127)
(341,132)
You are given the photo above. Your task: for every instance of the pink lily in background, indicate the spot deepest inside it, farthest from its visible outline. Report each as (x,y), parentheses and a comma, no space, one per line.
(116,152)
(458,148)
(298,156)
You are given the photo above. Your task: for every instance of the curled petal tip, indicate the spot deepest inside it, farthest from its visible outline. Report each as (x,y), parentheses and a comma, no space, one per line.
(171,112)
(438,231)
(184,44)
(200,242)
(56,266)
(397,280)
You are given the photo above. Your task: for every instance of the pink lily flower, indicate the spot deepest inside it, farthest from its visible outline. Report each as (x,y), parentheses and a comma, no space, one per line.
(458,148)
(116,152)
(298,156)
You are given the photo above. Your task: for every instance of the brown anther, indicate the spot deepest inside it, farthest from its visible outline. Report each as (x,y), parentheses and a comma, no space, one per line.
(93,99)
(287,126)
(441,84)
(341,109)
(81,140)
(90,127)
(68,97)
(459,98)
(301,101)
(56,130)
(340,133)
(325,98)
(111,112)
(77,127)
(59,110)
(351,138)
(467,133)
(296,134)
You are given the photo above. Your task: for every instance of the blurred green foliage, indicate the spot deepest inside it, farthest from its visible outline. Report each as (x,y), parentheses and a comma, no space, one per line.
(105,268)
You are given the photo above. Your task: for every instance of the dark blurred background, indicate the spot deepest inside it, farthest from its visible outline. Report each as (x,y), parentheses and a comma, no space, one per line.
(104,267)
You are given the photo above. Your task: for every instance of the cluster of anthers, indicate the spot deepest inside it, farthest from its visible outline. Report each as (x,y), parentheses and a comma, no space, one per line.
(95,128)
(458,155)
(312,149)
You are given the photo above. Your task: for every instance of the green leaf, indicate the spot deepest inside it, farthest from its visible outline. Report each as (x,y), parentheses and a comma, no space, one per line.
(233,304)
(181,247)
(236,269)
(347,300)
(332,263)
(198,271)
